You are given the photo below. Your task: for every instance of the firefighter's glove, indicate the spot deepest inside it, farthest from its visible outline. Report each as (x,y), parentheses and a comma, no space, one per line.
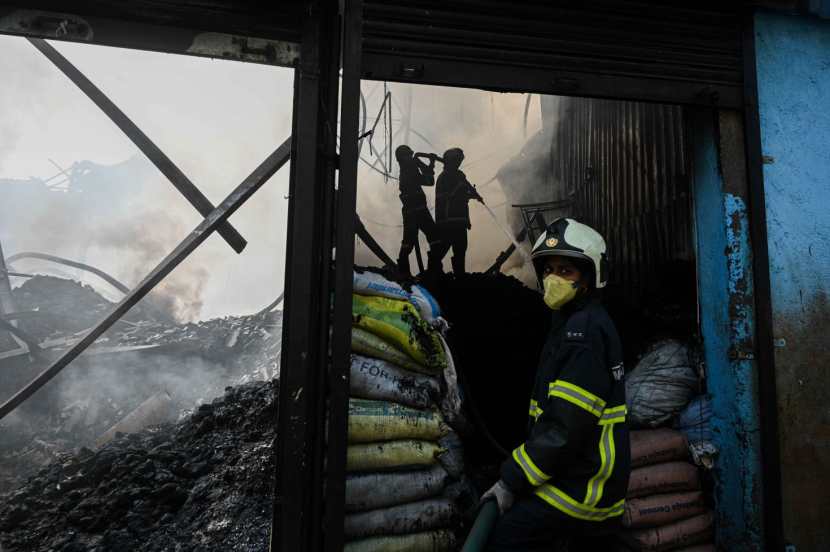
(504,496)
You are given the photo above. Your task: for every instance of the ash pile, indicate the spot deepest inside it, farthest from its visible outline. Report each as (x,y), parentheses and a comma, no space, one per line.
(148,369)
(202,484)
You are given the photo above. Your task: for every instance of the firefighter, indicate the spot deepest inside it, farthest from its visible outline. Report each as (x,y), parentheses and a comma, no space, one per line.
(452,214)
(569,477)
(414,175)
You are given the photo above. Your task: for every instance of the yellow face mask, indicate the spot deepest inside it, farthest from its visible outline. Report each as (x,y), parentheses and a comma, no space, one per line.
(558,291)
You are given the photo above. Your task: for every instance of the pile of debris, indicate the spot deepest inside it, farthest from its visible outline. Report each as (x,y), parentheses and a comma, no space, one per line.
(57,312)
(55,307)
(140,357)
(202,484)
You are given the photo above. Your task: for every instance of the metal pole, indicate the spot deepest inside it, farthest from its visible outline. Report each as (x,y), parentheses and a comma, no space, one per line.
(273,305)
(199,234)
(346,219)
(299,496)
(153,153)
(6,299)
(30,341)
(373,245)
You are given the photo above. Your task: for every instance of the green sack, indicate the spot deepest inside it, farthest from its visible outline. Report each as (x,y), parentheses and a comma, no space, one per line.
(369,344)
(399,323)
(392,455)
(372,421)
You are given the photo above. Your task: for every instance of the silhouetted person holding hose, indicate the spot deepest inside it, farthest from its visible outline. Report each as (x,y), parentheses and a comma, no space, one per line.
(452,214)
(414,175)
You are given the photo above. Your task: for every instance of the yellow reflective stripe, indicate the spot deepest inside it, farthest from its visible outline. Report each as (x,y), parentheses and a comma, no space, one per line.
(534,475)
(613,415)
(577,396)
(608,455)
(535,411)
(564,503)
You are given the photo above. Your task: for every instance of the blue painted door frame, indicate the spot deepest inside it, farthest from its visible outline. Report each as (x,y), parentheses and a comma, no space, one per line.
(726,314)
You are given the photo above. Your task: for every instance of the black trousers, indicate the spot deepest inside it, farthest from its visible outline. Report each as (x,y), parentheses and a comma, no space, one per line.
(414,220)
(531,525)
(453,235)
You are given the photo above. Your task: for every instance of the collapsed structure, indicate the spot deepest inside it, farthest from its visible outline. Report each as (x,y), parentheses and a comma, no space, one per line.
(162,370)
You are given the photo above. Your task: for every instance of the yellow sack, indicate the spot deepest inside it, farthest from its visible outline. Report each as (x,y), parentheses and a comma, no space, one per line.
(399,323)
(371,421)
(371,345)
(430,541)
(391,455)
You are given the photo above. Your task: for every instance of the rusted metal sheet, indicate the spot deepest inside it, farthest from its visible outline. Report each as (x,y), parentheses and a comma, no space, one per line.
(624,166)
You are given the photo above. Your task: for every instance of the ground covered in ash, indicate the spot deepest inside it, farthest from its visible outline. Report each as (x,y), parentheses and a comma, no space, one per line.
(202,484)
(139,357)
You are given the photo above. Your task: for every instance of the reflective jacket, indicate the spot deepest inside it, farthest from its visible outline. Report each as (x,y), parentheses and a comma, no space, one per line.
(576,457)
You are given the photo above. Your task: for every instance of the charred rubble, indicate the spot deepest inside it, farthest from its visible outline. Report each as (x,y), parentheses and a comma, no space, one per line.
(202,484)
(145,356)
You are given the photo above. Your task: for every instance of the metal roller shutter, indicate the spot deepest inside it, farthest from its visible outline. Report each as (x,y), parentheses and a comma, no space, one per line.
(659,51)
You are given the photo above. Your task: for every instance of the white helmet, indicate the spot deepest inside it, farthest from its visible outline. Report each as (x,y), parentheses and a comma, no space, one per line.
(566,237)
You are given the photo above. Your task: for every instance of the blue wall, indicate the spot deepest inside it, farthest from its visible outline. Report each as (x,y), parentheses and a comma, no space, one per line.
(727,327)
(793,65)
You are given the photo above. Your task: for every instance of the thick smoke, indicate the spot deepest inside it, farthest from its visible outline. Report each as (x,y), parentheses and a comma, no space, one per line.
(17,79)
(102,218)
(488,126)
(217,120)
(146,242)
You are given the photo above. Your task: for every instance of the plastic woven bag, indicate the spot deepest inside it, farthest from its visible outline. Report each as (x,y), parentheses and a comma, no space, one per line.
(372,421)
(399,323)
(662,384)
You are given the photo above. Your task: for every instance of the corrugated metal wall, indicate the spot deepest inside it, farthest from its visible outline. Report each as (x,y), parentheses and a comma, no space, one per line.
(625,165)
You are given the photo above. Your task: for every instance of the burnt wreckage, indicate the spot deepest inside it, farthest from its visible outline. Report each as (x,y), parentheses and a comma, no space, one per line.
(699,57)
(143,371)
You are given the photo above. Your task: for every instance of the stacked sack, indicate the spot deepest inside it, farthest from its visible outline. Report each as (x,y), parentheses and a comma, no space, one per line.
(403,455)
(665,507)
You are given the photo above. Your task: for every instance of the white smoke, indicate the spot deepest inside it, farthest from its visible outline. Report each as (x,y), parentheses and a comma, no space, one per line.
(488,126)
(217,120)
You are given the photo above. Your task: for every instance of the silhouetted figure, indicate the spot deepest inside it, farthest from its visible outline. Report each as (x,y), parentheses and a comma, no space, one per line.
(414,174)
(452,214)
